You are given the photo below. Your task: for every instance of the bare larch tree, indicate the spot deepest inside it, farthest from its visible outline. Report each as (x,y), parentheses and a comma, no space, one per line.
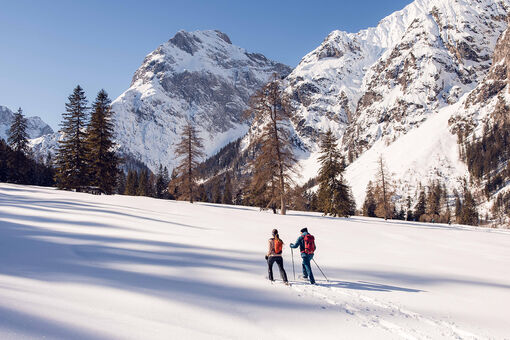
(274,159)
(190,152)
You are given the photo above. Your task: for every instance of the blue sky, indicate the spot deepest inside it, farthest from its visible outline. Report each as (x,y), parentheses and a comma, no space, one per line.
(48,47)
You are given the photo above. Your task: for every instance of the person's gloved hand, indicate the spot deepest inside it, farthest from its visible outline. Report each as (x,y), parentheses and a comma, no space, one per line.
(291,245)
(267,257)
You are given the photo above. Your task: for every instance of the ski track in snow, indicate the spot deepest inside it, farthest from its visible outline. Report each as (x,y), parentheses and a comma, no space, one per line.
(389,316)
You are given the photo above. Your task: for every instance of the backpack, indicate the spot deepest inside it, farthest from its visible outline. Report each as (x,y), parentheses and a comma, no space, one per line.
(309,244)
(278,246)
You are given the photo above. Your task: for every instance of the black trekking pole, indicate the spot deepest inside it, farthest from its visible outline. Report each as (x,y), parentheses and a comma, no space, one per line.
(320,270)
(293,270)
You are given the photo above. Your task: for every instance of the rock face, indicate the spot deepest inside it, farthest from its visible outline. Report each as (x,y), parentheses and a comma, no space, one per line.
(35,125)
(490,100)
(198,76)
(382,82)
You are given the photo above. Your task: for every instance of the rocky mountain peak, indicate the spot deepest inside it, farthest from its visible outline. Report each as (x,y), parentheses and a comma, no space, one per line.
(199,76)
(191,42)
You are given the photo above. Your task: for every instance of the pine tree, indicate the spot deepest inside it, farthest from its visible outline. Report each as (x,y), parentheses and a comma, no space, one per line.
(101,158)
(433,206)
(4,159)
(72,152)
(227,192)
(458,206)
(143,183)
(333,195)
(409,212)
(131,183)
(18,141)
(420,208)
(173,185)
(190,151)
(121,183)
(274,161)
(216,192)
(160,182)
(18,136)
(369,205)
(202,193)
(469,212)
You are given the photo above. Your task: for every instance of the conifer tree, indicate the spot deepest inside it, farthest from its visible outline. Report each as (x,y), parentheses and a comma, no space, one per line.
(433,206)
(121,183)
(216,192)
(71,157)
(4,165)
(469,212)
(190,151)
(101,158)
(227,192)
(369,205)
(173,185)
(143,183)
(334,195)
(161,182)
(18,136)
(409,212)
(131,183)
(18,142)
(202,193)
(274,161)
(458,206)
(420,208)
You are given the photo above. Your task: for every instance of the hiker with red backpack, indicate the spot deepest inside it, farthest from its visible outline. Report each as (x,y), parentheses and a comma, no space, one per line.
(274,254)
(306,244)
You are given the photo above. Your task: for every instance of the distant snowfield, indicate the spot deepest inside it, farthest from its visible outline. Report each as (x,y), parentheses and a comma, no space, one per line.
(77,266)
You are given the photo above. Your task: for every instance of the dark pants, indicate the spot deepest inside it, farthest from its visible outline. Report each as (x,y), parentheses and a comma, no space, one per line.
(279,262)
(307,267)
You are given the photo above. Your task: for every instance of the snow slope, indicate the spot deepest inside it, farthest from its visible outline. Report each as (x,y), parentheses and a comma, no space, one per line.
(77,266)
(427,153)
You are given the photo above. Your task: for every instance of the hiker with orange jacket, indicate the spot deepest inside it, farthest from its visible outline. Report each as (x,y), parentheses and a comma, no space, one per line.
(306,244)
(274,254)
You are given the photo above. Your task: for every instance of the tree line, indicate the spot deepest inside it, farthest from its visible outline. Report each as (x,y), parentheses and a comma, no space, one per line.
(86,157)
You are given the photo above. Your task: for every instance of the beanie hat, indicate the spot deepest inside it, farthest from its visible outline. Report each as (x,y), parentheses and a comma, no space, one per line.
(304,230)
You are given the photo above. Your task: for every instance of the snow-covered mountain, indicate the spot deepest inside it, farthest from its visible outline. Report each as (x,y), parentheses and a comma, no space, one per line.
(397,89)
(401,89)
(200,76)
(383,81)
(35,125)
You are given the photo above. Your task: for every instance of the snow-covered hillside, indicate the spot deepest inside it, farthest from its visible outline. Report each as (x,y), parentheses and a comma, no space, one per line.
(200,76)
(35,126)
(77,266)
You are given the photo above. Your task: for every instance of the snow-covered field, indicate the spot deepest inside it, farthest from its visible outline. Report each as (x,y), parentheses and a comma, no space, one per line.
(77,266)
